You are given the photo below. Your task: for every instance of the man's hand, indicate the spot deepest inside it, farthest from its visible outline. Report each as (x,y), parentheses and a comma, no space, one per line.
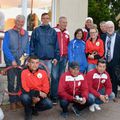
(54,62)
(83,101)
(91,56)
(106,98)
(35,99)
(80,102)
(103,98)
(14,64)
(43,95)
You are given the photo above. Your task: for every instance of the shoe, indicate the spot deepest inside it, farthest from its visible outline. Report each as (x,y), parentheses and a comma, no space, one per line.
(97,107)
(115,100)
(54,101)
(13,106)
(34,111)
(28,117)
(19,105)
(64,114)
(76,111)
(92,108)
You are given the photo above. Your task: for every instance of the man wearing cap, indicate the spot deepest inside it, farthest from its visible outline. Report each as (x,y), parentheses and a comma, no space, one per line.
(72,89)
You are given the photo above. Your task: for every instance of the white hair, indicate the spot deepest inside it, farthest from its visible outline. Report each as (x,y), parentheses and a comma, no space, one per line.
(89,18)
(109,23)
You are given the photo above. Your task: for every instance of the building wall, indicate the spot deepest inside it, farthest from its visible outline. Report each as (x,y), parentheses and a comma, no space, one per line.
(75,10)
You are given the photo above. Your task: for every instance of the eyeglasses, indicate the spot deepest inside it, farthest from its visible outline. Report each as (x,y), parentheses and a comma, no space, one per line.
(93,32)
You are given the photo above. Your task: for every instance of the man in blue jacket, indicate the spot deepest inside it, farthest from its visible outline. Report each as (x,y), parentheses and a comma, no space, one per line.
(44,43)
(15,46)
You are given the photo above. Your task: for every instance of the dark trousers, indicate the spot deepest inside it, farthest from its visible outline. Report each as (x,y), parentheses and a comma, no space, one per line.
(114,80)
(65,103)
(14,83)
(43,104)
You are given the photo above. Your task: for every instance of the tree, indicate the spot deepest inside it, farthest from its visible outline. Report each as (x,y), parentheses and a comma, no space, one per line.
(115,9)
(103,10)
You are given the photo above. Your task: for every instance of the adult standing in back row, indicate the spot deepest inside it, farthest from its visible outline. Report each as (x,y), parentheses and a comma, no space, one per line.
(94,49)
(112,55)
(44,43)
(15,45)
(63,40)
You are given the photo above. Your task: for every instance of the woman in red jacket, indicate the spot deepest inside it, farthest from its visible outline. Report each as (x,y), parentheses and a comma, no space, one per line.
(94,49)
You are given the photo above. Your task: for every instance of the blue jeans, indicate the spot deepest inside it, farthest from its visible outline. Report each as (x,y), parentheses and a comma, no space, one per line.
(48,64)
(14,83)
(91,67)
(94,100)
(55,76)
(64,105)
(43,104)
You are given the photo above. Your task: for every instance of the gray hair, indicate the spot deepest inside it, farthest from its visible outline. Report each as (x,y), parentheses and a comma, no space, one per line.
(20,17)
(102,22)
(62,17)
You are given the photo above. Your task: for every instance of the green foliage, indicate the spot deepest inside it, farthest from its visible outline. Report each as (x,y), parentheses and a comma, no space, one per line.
(103,10)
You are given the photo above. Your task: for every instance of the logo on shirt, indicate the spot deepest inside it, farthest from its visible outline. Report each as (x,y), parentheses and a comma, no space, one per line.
(79,83)
(103,81)
(39,75)
(97,43)
(78,78)
(98,76)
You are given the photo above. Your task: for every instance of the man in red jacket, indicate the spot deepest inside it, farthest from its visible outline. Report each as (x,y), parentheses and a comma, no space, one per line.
(59,68)
(100,87)
(72,89)
(35,87)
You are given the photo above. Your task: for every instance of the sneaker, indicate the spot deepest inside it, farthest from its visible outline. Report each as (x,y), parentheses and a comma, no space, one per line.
(13,106)
(76,111)
(34,111)
(92,108)
(28,117)
(19,105)
(64,114)
(115,100)
(97,107)
(54,101)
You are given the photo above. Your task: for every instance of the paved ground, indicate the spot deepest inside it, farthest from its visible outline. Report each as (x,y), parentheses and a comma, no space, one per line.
(110,111)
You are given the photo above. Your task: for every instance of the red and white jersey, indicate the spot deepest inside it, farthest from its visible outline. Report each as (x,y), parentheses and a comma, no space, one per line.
(97,81)
(63,40)
(70,86)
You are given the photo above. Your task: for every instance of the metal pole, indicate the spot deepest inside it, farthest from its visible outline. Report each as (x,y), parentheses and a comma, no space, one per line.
(54,4)
(24,12)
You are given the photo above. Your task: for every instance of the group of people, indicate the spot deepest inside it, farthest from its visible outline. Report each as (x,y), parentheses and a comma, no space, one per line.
(84,83)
